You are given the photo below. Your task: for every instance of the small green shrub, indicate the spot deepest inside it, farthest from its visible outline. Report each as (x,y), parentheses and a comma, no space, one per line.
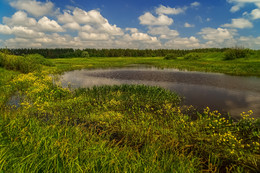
(24,64)
(192,56)
(39,59)
(17,63)
(171,56)
(236,53)
(84,54)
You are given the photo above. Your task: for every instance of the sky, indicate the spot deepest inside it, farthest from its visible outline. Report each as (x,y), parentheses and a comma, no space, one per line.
(135,24)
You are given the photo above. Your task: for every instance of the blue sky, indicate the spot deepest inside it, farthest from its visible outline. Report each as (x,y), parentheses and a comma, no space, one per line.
(141,24)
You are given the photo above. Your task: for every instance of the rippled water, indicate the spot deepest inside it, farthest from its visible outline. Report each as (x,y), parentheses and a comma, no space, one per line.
(233,94)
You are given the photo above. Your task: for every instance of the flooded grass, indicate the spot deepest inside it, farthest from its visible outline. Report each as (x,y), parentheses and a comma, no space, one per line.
(126,128)
(228,94)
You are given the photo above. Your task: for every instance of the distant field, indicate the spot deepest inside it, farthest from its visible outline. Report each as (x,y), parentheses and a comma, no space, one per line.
(208,63)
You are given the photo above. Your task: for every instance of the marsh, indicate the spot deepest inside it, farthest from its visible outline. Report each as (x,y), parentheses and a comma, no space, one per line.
(232,94)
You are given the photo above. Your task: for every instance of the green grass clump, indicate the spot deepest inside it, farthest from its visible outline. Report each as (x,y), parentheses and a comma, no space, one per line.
(24,64)
(38,59)
(192,56)
(236,53)
(171,56)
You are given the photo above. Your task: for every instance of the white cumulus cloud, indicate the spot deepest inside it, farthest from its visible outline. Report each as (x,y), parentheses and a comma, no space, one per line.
(72,26)
(238,4)
(82,17)
(93,36)
(48,41)
(240,23)
(168,10)
(111,29)
(19,18)
(132,30)
(149,19)
(252,42)
(91,27)
(4,29)
(35,8)
(187,25)
(183,43)
(140,37)
(218,35)
(22,43)
(163,31)
(195,4)
(48,25)
(24,32)
(39,24)
(255,14)
(91,21)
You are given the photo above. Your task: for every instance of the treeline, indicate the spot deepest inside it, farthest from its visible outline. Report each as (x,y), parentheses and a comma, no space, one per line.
(144,53)
(69,52)
(50,53)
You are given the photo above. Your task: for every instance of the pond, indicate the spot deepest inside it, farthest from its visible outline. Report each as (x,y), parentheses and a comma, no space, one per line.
(233,94)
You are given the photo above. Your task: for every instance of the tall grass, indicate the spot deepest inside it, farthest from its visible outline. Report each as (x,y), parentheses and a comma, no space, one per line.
(6,90)
(127,128)
(24,64)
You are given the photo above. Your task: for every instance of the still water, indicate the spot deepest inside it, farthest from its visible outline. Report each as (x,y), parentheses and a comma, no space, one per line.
(233,94)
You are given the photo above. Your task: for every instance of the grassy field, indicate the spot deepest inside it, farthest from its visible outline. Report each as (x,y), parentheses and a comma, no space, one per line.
(127,128)
(210,62)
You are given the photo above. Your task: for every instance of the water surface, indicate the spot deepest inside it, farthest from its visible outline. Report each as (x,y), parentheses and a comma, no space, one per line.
(233,94)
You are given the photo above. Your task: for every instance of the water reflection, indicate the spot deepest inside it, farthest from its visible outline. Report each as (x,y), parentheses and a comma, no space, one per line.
(231,94)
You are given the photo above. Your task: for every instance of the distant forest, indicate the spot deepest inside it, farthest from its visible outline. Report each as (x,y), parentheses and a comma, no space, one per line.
(69,52)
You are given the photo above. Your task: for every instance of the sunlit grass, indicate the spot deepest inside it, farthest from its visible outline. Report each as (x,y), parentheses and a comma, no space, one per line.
(6,90)
(126,128)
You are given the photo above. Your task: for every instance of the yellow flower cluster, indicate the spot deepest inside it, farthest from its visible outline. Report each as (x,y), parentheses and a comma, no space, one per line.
(114,102)
(38,89)
(245,115)
(227,137)
(117,93)
(215,113)
(30,77)
(218,123)
(167,106)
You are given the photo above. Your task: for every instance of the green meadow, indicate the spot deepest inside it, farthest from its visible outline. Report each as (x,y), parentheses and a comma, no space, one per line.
(127,128)
(208,62)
